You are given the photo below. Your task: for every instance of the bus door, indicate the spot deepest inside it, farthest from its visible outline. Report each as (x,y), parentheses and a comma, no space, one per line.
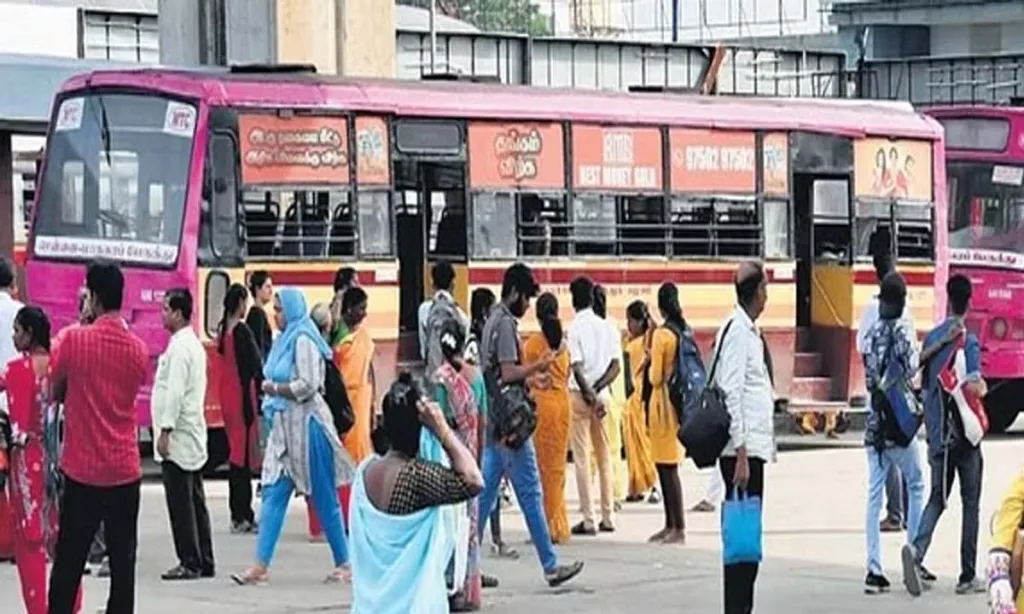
(431,216)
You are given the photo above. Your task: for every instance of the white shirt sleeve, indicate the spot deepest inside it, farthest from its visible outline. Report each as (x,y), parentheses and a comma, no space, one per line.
(729,375)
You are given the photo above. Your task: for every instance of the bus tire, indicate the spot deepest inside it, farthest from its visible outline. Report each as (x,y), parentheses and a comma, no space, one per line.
(216,450)
(1002,407)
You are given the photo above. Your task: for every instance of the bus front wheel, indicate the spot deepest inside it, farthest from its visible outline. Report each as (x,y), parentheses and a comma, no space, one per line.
(1002,405)
(216,450)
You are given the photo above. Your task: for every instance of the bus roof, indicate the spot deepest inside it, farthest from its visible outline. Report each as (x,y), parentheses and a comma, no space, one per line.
(853,118)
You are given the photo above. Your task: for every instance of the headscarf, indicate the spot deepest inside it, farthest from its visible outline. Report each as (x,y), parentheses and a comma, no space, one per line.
(280,364)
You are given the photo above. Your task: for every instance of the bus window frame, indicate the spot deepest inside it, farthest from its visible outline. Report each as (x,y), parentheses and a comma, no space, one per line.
(712,199)
(240,241)
(388,191)
(892,205)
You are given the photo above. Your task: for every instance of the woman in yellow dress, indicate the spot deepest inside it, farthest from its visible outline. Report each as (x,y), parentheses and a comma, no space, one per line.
(642,475)
(666,451)
(1004,557)
(551,393)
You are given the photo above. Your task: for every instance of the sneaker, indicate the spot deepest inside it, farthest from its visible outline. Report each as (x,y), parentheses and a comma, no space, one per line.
(104,570)
(180,573)
(876,584)
(487,581)
(971,587)
(606,526)
(654,497)
(563,573)
(926,575)
(911,570)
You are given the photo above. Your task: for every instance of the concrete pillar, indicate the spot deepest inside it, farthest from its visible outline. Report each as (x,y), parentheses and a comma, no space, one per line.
(306,33)
(366,38)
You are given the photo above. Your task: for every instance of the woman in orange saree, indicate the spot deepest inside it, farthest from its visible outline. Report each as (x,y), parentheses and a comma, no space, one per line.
(353,356)
(551,393)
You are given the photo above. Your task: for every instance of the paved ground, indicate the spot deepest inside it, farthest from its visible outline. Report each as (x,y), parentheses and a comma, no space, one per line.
(814,545)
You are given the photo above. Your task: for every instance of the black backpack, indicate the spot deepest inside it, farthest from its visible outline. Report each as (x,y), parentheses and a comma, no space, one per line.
(336,397)
(688,379)
(704,430)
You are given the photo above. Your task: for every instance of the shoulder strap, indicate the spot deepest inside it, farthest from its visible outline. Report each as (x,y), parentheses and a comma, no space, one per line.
(718,351)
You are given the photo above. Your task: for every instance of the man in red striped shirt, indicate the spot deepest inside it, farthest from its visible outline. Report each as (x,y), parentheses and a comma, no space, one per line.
(98,370)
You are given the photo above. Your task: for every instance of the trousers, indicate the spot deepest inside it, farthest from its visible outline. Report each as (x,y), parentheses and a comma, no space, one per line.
(739,579)
(190,519)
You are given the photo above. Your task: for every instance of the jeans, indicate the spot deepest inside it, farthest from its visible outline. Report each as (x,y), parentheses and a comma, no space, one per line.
(739,579)
(190,519)
(967,463)
(895,495)
(879,462)
(82,509)
(521,468)
(276,497)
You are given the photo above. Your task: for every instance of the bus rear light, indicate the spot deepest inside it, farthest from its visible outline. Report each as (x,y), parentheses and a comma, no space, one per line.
(998,328)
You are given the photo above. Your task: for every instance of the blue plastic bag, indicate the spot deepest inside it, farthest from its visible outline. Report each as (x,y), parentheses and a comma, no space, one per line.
(741,530)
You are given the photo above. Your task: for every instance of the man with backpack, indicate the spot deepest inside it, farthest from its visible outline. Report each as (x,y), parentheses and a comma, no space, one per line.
(890,362)
(950,453)
(434,313)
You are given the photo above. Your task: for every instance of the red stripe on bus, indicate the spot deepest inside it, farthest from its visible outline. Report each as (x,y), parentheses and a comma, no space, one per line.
(652,276)
(913,278)
(322,278)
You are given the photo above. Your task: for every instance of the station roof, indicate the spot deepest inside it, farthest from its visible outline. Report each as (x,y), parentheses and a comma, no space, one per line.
(29,83)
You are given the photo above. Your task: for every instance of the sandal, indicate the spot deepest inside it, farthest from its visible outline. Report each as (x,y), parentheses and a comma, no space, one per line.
(250,577)
(339,575)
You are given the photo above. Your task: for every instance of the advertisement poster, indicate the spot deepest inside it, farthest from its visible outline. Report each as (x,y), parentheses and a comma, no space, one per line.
(616,158)
(373,162)
(293,150)
(712,161)
(899,169)
(522,156)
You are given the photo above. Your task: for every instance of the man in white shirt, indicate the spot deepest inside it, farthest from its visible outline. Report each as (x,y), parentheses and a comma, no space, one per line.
(9,307)
(595,365)
(895,485)
(179,391)
(442,276)
(743,375)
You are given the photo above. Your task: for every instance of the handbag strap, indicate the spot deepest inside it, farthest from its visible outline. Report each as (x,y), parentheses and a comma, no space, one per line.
(718,350)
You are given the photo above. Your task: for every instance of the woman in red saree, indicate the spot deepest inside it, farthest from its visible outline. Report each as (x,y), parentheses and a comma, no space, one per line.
(239,381)
(34,482)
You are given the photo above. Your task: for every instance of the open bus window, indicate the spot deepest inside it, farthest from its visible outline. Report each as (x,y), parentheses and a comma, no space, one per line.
(873,220)
(776,229)
(447,232)
(642,230)
(594,219)
(914,231)
(307,224)
(494,225)
(375,223)
(715,227)
(543,225)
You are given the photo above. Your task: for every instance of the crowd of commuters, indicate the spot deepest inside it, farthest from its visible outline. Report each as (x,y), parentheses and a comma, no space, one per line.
(403,495)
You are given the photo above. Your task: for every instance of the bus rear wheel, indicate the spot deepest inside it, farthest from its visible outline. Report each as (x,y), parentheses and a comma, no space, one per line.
(1002,405)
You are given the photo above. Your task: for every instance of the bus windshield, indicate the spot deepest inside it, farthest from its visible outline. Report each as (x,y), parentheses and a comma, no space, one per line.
(115,178)
(986,206)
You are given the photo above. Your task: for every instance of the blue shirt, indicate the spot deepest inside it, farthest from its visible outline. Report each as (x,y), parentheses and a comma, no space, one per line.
(884,333)
(935,425)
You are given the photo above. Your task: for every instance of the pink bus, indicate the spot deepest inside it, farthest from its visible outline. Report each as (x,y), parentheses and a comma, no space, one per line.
(198,178)
(985,171)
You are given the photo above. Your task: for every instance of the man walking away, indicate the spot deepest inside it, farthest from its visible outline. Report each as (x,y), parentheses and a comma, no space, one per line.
(179,390)
(435,313)
(950,454)
(501,360)
(895,485)
(743,374)
(595,364)
(98,372)
(889,340)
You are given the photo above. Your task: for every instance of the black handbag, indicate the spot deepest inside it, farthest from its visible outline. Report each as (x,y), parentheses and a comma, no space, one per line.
(704,432)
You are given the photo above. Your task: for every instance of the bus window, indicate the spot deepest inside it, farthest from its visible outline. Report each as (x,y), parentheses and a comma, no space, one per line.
(308,224)
(914,231)
(543,225)
(691,227)
(594,220)
(223,196)
(873,219)
(776,229)
(737,231)
(831,219)
(702,226)
(642,229)
(494,225)
(375,223)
